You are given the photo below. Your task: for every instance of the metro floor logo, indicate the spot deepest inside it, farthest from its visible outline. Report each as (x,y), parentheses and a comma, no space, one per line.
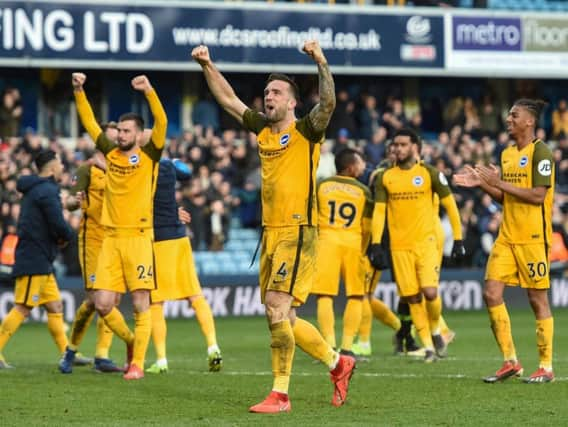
(529,33)
(529,45)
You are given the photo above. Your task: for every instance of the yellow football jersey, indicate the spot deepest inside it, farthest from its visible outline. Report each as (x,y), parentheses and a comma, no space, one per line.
(131,180)
(408,194)
(343,205)
(289,160)
(130,185)
(91,180)
(530,167)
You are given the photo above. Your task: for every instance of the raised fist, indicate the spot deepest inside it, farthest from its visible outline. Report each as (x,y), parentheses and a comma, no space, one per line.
(312,48)
(201,55)
(141,83)
(78,80)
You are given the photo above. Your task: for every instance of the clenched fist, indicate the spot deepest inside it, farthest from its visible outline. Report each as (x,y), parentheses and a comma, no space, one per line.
(201,55)
(78,80)
(141,83)
(312,48)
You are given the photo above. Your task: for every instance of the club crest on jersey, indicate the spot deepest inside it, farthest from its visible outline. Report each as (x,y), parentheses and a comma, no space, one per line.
(284,139)
(523,162)
(134,159)
(418,181)
(92,278)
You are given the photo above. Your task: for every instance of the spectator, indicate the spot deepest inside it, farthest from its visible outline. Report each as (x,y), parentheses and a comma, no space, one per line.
(454,113)
(194,201)
(10,113)
(471,122)
(342,116)
(489,118)
(249,205)
(205,113)
(326,167)
(560,119)
(342,141)
(393,117)
(369,118)
(217,226)
(374,150)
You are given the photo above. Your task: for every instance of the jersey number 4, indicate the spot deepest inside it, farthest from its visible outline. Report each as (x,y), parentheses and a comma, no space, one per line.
(346,211)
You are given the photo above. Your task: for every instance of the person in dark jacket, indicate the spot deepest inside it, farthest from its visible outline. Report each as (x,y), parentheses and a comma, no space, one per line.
(42,230)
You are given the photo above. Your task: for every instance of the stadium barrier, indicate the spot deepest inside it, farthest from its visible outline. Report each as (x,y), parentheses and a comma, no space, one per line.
(461,290)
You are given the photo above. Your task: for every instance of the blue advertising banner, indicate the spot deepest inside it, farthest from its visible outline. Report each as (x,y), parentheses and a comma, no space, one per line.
(527,45)
(242,37)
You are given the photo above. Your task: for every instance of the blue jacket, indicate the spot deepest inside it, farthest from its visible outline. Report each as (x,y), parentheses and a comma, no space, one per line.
(167,225)
(41,226)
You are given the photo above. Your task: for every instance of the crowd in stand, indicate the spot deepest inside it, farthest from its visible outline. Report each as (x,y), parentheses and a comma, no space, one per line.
(225,165)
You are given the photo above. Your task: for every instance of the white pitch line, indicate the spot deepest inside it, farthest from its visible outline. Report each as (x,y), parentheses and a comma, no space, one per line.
(373,375)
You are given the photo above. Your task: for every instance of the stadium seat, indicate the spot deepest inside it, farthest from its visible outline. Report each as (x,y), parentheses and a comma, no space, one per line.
(211,267)
(243,233)
(234,245)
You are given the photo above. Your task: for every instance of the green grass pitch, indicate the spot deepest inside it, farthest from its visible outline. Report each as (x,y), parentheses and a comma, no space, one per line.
(387,390)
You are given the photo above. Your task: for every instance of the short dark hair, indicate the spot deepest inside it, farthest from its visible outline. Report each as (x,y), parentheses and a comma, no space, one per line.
(345,158)
(43,158)
(136,118)
(414,137)
(108,125)
(533,106)
(287,79)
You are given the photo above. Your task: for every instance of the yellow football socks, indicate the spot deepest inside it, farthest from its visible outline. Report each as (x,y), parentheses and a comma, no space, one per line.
(384,314)
(444,328)
(366,321)
(57,330)
(544,335)
(501,326)
(10,325)
(351,322)
(283,346)
(434,309)
(326,319)
(159,330)
(83,318)
(142,332)
(104,339)
(204,317)
(309,339)
(420,320)
(116,323)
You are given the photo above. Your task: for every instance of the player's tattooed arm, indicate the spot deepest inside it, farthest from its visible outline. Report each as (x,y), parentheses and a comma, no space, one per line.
(321,113)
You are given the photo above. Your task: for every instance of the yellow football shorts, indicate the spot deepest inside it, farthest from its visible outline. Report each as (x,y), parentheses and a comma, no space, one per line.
(416,268)
(440,238)
(372,276)
(287,261)
(334,262)
(126,261)
(175,271)
(32,291)
(524,265)
(89,250)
